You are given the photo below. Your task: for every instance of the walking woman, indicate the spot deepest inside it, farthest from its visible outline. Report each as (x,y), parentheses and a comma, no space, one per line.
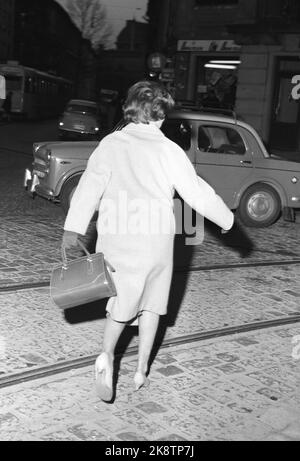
(131,172)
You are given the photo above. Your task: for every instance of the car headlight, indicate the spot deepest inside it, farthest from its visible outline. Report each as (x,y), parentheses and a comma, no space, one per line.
(97,129)
(61,123)
(44,156)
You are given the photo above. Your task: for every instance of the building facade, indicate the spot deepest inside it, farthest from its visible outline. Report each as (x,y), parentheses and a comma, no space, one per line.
(237,54)
(46,38)
(6,29)
(120,68)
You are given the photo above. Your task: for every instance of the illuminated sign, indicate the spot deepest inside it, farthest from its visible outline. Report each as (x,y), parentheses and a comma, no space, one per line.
(156,61)
(208,45)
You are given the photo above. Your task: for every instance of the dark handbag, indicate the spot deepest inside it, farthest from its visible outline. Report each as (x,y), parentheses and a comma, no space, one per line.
(82,280)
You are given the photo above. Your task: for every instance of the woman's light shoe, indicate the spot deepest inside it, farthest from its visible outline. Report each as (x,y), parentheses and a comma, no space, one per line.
(104,377)
(140,380)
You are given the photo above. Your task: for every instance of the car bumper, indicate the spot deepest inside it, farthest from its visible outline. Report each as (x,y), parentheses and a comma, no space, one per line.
(74,131)
(31,181)
(32,185)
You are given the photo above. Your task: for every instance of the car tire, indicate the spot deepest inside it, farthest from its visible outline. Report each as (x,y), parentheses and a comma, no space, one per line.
(260,206)
(67,193)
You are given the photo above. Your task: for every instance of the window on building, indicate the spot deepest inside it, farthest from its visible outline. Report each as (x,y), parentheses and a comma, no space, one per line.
(221,140)
(178,131)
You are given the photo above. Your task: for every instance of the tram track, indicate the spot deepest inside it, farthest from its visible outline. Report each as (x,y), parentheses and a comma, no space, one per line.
(82,362)
(205,268)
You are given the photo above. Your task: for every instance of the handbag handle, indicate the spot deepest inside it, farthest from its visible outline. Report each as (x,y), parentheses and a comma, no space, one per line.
(64,254)
(89,258)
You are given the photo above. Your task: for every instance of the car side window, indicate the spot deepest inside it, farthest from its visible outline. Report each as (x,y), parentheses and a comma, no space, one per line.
(221,140)
(178,131)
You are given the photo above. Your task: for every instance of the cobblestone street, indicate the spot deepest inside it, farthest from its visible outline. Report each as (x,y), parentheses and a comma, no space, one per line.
(242,388)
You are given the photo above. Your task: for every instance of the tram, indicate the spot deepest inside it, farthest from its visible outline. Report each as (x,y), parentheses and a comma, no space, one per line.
(35,94)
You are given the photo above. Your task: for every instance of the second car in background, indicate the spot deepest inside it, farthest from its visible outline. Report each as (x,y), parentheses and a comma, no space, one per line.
(81,118)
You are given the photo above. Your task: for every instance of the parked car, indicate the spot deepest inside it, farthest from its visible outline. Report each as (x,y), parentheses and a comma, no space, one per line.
(80,118)
(228,153)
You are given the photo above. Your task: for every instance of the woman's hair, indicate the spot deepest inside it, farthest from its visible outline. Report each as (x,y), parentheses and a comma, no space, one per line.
(147,101)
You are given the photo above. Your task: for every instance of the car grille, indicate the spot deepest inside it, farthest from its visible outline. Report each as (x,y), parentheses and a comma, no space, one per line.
(40,167)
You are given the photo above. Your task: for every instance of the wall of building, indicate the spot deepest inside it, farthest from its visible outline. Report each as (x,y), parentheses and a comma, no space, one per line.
(6,29)
(257,79)
(194,19)
(118,69)
(46,38)
(254,85)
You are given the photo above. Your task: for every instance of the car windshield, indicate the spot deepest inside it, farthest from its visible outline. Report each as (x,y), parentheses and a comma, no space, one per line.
(178,131)
(90,110)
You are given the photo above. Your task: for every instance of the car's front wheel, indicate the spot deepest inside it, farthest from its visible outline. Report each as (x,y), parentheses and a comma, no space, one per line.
(67,193)
(260,206)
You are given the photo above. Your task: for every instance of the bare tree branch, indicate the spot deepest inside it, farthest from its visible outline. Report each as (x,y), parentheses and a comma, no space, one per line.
(91,18)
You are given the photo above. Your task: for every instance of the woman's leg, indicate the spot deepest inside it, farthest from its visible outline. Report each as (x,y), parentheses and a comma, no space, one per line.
(111,335)
(104,363)
(148,324)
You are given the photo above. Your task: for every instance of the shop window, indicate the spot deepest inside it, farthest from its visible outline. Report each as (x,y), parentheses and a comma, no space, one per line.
(221,140)
(216,82)
(178,131)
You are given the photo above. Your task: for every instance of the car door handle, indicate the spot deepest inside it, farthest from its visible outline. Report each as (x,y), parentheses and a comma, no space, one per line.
(246,162)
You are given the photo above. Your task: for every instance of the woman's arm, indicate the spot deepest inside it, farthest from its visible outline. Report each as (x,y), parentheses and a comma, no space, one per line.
(196,192)
(88,193)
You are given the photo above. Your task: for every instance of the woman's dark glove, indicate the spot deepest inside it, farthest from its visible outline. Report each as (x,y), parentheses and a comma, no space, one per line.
(70,239)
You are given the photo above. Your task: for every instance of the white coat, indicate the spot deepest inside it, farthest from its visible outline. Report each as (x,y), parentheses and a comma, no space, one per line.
(132,176)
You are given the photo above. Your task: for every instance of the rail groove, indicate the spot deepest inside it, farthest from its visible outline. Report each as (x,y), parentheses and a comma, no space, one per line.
(64,366)
(209,267)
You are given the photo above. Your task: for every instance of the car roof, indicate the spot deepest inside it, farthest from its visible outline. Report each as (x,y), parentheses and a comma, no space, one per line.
(210,115)
(202,114)
(215,116)
(84,102)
